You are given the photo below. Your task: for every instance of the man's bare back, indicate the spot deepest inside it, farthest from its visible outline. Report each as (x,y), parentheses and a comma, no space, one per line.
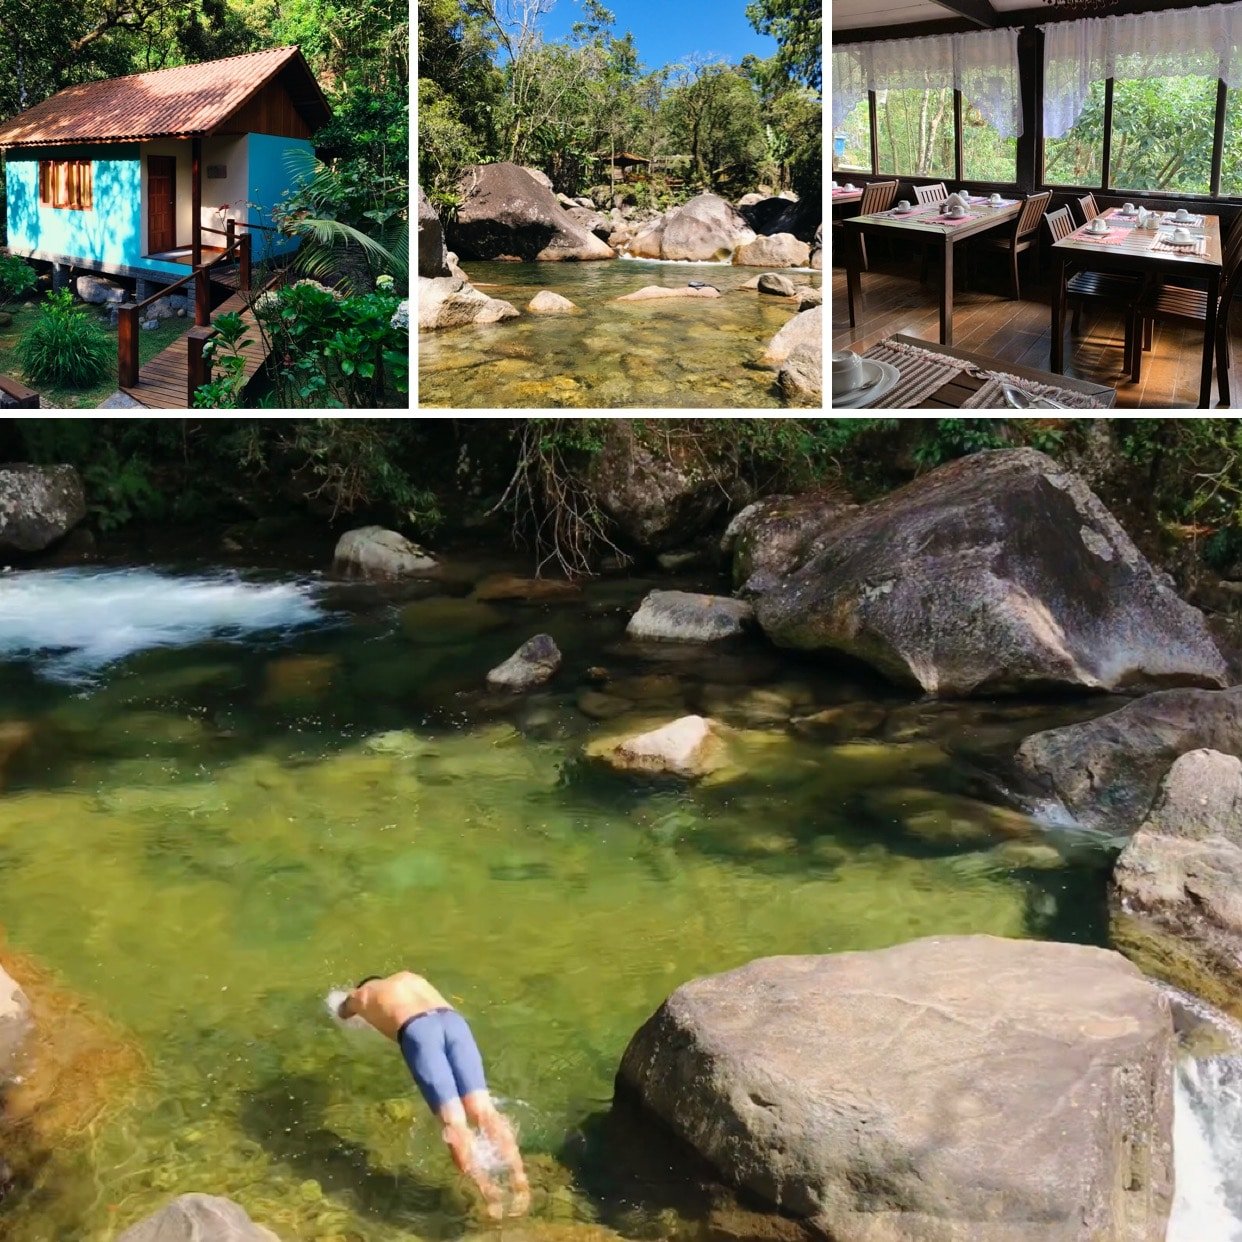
(444,1060)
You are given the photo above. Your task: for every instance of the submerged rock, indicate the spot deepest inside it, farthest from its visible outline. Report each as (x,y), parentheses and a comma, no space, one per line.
(997,573)
(527,590)
(841,724)
(38,506)
(1176,894)
(1106,772)
(690,747)
(655,293)
(15,1025)
(199,1218)
(682,616)
(445,621)
(781,286)
(506,213)
(373,552)
(532,664)
(835,1086)
(545,302)
(452,302)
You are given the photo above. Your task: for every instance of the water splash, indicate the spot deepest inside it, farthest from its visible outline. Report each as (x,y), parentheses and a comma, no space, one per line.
(78,621)
(355,1025)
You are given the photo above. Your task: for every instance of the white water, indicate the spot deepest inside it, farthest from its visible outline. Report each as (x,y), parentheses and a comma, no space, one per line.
(1207,1137)
(81,620)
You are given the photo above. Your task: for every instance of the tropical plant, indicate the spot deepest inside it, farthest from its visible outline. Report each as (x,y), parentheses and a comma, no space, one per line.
(17,280)
(64,346)
(225,351)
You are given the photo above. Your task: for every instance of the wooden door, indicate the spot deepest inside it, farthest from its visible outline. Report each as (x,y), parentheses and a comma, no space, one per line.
(161,203)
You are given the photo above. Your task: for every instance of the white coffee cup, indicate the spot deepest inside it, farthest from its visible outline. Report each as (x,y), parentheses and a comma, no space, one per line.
(1129,209)
(994,198)
(1181,214)
(849,185)
(846,371)
(834,185)
(1182,235)
(1098,225)
(957,210)
(904,205)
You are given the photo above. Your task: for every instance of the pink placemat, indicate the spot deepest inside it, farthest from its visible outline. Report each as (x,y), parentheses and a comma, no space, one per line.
(953,221)
(920,210)
(1198,246)
(839,191)
(1112,238)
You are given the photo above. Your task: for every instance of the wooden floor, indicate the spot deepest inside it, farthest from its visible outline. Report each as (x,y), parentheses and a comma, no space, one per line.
(162,381)
(986,321)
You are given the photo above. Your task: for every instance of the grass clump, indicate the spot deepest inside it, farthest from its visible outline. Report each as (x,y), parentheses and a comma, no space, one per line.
(64,346)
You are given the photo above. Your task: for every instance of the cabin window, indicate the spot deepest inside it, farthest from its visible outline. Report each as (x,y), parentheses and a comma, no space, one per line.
(67,184)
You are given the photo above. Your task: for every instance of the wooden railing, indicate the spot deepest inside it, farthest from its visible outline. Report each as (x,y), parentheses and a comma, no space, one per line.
(128,317)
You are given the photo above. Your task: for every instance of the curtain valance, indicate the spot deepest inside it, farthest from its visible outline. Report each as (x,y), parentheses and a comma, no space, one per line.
(983,66)
(1206,41)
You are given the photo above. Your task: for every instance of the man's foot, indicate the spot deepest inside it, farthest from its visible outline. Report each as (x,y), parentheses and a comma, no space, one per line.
(495,1209)
(521,1201)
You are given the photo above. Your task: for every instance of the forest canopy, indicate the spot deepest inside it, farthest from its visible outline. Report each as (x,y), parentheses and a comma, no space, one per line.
(491,87)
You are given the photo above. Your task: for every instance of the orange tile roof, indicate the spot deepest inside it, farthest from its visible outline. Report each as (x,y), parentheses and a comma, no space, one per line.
(188,99)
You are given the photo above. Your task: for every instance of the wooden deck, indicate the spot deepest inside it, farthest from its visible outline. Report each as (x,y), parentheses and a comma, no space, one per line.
(162,382)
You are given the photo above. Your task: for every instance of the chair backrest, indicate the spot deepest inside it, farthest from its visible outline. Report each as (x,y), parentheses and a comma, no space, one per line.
(1234,236)
(878,196)
(1089,209)
(1028,217)
(1060,223)
(931,193)
(1233,276)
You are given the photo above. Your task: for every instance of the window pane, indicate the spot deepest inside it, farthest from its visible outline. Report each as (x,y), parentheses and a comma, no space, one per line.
(1162,134)
(1231,158)
(986,156)
(915,130)
(851,143)
(1078,158)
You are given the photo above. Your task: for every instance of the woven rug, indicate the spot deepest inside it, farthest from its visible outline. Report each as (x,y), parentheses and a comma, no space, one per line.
(924,372)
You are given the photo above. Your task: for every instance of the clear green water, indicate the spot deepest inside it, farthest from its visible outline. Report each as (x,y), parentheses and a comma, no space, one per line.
(698,353)
(201,842)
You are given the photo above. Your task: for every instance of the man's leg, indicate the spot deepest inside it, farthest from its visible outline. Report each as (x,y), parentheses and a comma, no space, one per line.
(459,1139)
(482,1111)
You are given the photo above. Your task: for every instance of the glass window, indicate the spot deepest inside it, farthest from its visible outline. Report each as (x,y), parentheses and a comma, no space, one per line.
(1162,134)
(915,132)
(1078,158)
(851,143)
(986,156)
(1231,157)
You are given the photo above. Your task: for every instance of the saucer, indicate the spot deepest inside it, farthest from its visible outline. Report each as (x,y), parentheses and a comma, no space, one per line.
(858,398)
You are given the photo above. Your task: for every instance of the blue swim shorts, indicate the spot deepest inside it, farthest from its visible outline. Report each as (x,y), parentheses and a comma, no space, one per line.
(442,1056)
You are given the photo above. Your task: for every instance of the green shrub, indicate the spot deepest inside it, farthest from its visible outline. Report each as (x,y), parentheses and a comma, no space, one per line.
(64,346)
(17,280)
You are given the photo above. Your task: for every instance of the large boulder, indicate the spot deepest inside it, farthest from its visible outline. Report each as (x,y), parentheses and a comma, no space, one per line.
(779,250)
(686,617)
(704,228)
(801,376)
(198,1218)
(533,663)
(373,552)
(774,215)
(15,1026)
(38,506)
(657,499)
(776,285)
(998,573)
(452,302)
(432,256)
(506,214)
(590,220)
(99,290)
(772,535)
(537,174)
(1105,773)
(805,328)
(1176,894)
(545,302)
(955,1089)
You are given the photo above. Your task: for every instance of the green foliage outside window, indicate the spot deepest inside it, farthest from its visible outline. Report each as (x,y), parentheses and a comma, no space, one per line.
(986,156)
(856,130)
(915,130)
(1078,157)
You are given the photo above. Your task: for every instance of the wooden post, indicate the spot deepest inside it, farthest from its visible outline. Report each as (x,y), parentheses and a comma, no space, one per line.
(196,199)
(243,260)
(202,297)
(127,346)
(198,371)
(230,230)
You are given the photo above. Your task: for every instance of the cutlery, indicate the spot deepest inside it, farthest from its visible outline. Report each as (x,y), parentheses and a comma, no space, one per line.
(1016,399)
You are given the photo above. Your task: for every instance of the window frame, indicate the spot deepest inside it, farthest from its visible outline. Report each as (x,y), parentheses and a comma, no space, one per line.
(958,154)
(1106,186)
(78,192)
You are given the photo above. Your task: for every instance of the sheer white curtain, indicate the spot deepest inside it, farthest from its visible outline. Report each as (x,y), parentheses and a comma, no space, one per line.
(983,66)
(1205,41)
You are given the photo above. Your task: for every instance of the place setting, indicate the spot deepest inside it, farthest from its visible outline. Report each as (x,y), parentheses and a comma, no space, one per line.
(839,191)
(857,382)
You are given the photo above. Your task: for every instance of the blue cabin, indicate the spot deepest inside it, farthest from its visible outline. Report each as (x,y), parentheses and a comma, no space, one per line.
(143,175)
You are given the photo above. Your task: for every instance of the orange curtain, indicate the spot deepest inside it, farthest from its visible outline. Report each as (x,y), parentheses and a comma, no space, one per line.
(66,184)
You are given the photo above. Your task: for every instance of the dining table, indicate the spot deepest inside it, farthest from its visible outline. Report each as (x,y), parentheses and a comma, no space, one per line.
(1148,251)
(928,225)
(842,195)
(941,377)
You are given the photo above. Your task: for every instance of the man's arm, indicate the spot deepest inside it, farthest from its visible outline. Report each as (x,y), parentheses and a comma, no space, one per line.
(348,1007)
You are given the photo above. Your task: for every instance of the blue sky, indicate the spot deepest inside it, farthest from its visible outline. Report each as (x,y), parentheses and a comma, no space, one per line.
(667,30)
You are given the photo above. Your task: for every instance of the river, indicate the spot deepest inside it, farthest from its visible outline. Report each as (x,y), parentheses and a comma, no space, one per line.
(698,353)
(226,794)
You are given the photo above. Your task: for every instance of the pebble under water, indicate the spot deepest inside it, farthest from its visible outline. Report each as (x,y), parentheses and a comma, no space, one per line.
(697,353)
(199,840)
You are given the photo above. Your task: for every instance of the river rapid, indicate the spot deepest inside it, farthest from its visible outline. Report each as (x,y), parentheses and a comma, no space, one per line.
(226,794)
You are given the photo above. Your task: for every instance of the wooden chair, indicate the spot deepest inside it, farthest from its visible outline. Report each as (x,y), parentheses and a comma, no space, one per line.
(876,196)
(1178,304)
(1089,209)
(1082,286)
(930,193)
(1024,235)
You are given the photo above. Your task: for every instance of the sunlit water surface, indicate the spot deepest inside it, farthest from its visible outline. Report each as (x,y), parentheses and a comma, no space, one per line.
(700,352)
(305,786)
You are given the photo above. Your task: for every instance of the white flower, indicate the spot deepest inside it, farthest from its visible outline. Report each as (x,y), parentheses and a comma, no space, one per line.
(401,316)
(336,293)
(266,302)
